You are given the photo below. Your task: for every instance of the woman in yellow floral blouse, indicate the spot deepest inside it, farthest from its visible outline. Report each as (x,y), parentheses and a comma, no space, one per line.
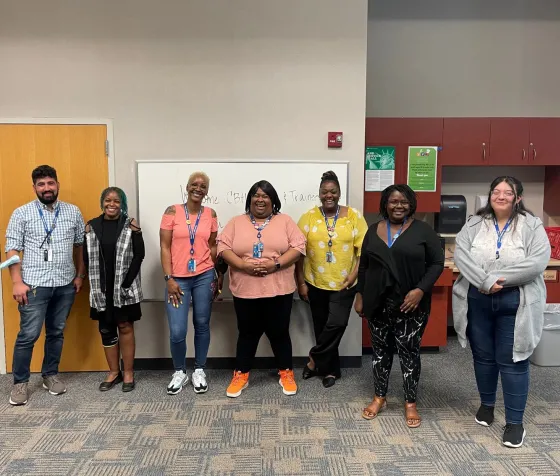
(327,275)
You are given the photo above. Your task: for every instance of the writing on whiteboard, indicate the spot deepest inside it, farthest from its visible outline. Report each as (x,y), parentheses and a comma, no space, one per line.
(232,197)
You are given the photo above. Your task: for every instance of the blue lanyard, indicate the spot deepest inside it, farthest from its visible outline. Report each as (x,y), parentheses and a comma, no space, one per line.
(48,230)
(192,232)
(391,239)
(500,235)
(330,228)
(258,227)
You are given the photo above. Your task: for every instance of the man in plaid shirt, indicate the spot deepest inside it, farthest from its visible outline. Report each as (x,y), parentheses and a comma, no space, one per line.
(50,233)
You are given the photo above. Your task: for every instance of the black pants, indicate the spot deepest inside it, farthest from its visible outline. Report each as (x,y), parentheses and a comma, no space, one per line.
(392,329)
(270,316)
(330,311)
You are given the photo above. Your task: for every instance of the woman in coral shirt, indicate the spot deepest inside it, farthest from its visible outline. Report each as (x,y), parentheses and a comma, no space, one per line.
(261,248)
(188,251)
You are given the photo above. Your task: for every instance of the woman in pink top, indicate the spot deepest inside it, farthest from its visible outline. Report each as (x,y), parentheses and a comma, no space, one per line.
(188,252)
(261,248)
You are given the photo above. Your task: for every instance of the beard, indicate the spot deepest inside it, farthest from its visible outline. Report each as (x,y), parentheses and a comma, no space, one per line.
(49,199)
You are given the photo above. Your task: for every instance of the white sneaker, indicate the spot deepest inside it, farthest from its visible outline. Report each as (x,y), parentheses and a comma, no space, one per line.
(199,381)
(178,381)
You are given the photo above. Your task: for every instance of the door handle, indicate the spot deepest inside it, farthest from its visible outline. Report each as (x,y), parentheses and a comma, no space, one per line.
(484,151)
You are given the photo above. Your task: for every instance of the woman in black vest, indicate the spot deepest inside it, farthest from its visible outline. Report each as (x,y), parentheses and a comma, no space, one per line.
(113,254)
(401,260)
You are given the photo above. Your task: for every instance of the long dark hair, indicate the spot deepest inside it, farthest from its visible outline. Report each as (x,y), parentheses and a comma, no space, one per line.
(406,191)
(267,188)
(518,208)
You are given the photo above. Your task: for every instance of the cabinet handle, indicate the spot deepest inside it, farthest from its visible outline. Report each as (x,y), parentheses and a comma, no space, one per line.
(484,151)
(524,155)
(534,152)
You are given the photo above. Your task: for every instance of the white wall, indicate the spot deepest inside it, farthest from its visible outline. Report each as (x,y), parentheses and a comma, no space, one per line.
(463,58)
(200,79)
(473,181)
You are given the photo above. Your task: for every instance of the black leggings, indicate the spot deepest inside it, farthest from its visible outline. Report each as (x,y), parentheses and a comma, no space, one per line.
(270,316)
(389,329)
(330,311)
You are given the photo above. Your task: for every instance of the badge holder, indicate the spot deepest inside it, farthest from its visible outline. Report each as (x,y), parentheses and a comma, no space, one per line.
(258,249)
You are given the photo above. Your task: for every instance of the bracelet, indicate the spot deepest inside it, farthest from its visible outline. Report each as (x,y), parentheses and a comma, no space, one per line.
(81,276)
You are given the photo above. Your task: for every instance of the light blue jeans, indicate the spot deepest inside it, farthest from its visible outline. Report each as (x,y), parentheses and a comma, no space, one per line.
(199,288)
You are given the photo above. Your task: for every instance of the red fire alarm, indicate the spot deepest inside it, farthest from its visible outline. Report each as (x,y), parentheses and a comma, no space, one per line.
(335,140)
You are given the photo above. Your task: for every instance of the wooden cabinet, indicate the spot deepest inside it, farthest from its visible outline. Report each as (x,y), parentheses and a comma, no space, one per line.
(509,141)
(402,133)
(544,141)
(466,141)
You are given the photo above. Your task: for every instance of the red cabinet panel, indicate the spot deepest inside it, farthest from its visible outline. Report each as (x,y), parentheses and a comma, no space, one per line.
(466,141)
(509,141)
(424,132)
(544,138)
(402,133)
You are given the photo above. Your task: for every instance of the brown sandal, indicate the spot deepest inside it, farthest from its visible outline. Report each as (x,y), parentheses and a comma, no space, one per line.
(411,416)
(371,411)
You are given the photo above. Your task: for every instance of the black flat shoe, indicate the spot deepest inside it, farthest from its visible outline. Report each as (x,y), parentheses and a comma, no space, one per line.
(308,373)
(328,382)
(128,387)
(104,386)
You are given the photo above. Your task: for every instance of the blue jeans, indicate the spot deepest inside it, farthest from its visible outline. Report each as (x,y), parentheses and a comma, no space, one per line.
(491,323)
(44,305)
(200,289)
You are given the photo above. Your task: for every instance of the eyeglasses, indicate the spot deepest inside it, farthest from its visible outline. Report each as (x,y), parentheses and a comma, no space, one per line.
(507,193)
(395,203)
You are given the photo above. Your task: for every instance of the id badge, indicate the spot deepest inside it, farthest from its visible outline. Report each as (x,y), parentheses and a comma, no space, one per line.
(329,256)
(258,250)
(48,255)
(191,265)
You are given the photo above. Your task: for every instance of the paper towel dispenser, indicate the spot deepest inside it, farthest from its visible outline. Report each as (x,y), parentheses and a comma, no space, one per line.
(452,214)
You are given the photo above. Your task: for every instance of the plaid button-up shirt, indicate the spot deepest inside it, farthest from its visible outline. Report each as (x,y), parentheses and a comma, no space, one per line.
(26,232)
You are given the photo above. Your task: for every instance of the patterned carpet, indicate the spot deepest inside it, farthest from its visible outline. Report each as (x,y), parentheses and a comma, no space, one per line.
(263,432)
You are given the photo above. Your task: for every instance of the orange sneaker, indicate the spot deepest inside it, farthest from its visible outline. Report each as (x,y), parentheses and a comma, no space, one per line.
(239,382)
(288,382)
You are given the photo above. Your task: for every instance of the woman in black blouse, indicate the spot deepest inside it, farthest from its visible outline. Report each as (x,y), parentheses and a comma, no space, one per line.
(113,254)
(401,260)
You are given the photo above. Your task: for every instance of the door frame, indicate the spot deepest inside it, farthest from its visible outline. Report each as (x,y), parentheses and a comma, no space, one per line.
(111,169)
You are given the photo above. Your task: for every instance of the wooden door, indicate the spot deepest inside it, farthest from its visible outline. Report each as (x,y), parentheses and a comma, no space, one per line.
(544,136)
(509,141)
(77,152)
(466,141)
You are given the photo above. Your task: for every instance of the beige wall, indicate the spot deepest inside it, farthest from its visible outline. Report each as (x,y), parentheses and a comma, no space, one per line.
(463,58)
(200,79)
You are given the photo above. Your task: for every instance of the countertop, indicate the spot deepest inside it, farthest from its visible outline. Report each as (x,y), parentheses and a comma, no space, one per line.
(553,263)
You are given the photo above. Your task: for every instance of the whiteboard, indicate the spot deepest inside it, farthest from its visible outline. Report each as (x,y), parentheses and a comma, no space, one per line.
(162,183)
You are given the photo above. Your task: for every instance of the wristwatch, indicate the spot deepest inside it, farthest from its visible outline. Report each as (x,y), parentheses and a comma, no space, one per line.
(81,276)
(167,277)
(276,264)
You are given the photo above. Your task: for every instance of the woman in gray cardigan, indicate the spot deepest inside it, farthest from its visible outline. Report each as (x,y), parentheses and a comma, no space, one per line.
(499,299)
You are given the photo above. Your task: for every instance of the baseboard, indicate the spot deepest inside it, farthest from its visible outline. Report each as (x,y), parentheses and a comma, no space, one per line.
(229,363)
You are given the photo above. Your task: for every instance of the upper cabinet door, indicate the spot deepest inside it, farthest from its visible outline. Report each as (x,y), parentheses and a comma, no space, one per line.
(422,131)
(544,137)
(466,141)
(509,141)
(384,131)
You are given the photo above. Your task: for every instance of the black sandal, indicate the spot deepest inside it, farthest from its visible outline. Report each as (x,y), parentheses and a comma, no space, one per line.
(104,386)
(308,373)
